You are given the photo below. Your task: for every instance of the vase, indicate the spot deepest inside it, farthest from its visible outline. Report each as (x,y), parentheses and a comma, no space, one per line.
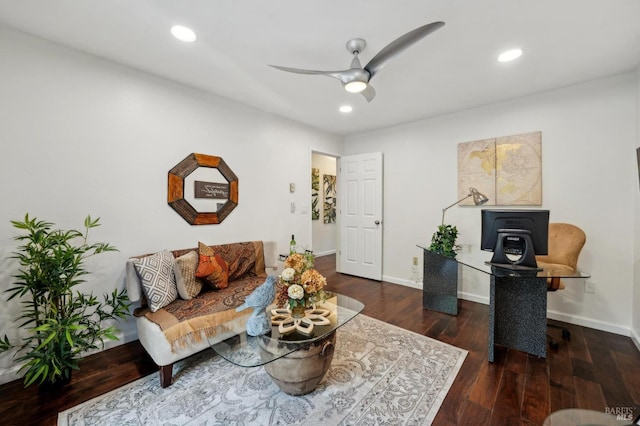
(58,383)
(300,371)
(297,312)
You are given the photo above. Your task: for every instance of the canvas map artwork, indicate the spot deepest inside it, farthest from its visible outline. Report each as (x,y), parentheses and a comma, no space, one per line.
(507,169)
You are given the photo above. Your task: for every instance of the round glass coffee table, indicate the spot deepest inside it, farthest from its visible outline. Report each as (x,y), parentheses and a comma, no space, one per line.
(295,360)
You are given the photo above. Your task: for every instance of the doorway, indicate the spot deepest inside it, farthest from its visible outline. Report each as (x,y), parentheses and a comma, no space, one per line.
(324,228)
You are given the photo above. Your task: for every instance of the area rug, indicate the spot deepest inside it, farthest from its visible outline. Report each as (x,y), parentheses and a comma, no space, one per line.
(380,374)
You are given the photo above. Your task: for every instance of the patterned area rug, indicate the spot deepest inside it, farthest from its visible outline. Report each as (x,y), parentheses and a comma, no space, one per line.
(380,374)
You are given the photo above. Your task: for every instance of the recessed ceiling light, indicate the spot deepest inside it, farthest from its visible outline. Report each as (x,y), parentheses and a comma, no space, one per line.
(183,33)
(346,108)
(510,55)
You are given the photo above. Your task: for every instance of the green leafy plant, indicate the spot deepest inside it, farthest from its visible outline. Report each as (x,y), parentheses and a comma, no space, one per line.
(61,322)
(443,240)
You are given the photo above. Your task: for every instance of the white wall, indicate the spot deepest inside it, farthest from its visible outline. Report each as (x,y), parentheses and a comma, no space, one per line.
(81,135)
(636,251)
(325,235)
(589,174)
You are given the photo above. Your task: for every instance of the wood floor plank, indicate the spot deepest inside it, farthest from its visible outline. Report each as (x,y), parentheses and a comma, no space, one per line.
(626,364)
(474,415)
(589,395)
(606,374)
(536,398)
(454,410)
(487,384)
(510,395)
(561,399)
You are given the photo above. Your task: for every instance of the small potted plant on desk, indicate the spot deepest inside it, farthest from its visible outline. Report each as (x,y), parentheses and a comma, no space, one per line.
(61,323)
(443,241)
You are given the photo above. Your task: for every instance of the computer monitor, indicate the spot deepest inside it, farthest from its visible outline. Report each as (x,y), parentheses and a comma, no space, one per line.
(515,236)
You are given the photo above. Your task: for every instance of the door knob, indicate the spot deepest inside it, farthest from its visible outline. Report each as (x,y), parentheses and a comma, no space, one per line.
(377,222)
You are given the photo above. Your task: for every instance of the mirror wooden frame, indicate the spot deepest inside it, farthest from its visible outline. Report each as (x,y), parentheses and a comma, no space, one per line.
(175,196)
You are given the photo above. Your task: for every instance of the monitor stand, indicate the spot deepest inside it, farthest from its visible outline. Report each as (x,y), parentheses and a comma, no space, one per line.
(514,251)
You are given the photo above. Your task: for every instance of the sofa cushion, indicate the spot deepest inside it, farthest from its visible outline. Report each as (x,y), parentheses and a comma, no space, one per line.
(157,278)
(246,258)
(188,285)
(212,267)
(242,258)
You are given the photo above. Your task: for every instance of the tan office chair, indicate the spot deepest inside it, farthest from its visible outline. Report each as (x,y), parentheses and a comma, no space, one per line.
(565,244)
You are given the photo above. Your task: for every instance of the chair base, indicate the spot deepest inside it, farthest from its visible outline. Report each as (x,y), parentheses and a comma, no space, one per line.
(566,335)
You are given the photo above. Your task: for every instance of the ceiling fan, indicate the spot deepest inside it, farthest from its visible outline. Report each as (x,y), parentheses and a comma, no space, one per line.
(356,79)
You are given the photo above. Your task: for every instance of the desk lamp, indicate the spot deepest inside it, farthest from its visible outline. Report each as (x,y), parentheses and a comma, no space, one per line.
(478,199)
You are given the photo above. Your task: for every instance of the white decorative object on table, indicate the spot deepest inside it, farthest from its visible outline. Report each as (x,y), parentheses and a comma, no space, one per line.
(287,323)
(258,323)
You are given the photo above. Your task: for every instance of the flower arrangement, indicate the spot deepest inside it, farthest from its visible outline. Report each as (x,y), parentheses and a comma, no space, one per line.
(300,285)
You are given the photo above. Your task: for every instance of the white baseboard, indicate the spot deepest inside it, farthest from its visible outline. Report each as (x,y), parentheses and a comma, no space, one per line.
(9,374)
(325,253)
(406,283)
(559,316)
(471,297)
(635,338)
(587,322)
(108,344)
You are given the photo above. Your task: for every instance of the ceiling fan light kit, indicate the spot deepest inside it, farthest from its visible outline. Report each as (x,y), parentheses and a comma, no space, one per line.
(355,86)
(356,79)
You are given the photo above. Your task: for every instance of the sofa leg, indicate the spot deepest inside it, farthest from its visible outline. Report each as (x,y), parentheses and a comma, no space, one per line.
(166,371)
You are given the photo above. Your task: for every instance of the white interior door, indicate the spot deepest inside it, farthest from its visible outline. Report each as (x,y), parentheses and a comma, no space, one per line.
(360,215)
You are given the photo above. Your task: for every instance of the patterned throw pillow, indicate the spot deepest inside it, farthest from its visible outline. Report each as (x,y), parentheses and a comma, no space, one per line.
(212,267)
(158,281)
(188,285)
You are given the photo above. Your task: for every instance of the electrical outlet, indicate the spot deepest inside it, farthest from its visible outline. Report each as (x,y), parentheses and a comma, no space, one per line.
(414,270)
(589,287)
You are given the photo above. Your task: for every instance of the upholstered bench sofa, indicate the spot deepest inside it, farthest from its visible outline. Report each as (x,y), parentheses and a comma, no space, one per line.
(188,296)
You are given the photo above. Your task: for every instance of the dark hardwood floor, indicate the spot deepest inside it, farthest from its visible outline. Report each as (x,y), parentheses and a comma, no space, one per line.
(594,370)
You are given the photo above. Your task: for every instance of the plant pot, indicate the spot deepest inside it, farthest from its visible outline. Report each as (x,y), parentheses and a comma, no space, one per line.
(440,283)
(58,383)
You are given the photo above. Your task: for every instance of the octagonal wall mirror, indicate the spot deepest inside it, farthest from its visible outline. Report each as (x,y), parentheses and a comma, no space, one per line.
(202,189)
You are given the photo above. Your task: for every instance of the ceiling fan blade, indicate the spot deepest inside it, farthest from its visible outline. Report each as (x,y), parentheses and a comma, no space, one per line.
(369,93)
(334,74)
(400,44)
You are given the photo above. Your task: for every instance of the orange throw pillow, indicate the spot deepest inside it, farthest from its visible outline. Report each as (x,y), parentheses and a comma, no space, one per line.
(212,267)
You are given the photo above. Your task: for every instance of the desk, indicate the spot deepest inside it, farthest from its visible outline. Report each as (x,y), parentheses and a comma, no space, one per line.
(517,299)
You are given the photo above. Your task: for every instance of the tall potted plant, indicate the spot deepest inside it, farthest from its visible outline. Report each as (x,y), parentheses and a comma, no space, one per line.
(61,322)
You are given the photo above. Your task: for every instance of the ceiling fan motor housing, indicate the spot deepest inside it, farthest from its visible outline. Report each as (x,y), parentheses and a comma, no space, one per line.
(356,45)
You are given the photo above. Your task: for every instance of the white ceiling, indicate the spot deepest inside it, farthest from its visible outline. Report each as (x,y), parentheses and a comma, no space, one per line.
(564,42)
